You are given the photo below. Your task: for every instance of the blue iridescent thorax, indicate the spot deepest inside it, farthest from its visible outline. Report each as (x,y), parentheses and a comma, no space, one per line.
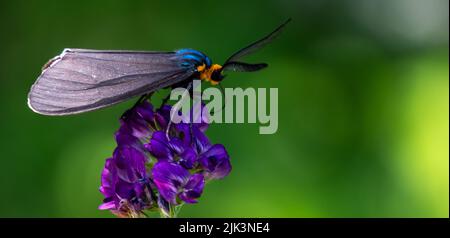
(190,58)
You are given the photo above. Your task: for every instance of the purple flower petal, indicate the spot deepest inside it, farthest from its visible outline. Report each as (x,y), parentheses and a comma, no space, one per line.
(176,145)
(216,162)
(121,182)
(107,205)
(158,146)
(172,151)
(188,158)
(145,110)
(184,133)
(135,125)
(169,178)
(138,121)
(193,189)
(124,137)
(125,190)
(202,143)
(162,116)
(108,179)
(130,163)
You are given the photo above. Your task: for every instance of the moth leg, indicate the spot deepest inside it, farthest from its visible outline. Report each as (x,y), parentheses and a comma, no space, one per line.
(139,101)
(143,98)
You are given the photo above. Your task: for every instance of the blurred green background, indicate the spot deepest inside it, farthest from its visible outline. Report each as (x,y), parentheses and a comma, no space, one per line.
(363,105)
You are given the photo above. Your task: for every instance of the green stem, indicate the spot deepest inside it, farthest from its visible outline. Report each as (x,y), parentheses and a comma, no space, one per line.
(173,211)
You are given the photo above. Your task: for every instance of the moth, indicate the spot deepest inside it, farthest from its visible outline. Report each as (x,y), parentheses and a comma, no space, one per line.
(82,80)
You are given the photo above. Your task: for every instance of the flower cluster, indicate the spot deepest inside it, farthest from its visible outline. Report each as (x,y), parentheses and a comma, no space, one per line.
(154,171)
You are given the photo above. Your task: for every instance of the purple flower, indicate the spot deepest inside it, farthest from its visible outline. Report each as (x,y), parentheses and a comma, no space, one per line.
(174,150)
(214,159)
(162,116)
(193,149)
(108,180)
(138,121)
(216,162)
(130,163)
(150,170)
(124,183)
(173,181)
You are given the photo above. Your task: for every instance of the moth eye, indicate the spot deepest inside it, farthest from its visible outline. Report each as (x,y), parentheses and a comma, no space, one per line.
(216,76)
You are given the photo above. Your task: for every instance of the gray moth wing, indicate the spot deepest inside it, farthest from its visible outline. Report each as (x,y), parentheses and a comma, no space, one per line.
(80,80)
